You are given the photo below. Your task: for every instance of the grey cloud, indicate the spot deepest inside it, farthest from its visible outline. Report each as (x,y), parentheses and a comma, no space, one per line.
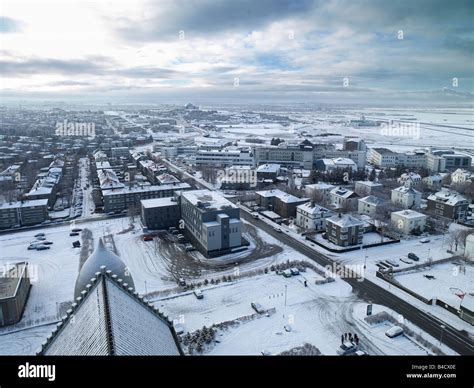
(207,17)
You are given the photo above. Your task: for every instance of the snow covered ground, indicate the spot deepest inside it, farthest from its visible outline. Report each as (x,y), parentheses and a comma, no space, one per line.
(449,279)
(317,314)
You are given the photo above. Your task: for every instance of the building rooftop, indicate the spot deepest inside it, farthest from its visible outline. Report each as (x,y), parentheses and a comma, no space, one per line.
(370,183)
(284,197)
(313,208)
(342,192)
(409,214)
(345,221)
(406,190)
(111,319)
(207,200)
(448,197)
(158,202)
(269,168)
(371,199)
(141,189)
(28,203)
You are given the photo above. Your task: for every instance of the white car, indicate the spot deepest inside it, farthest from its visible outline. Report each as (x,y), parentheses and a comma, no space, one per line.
(394,331)
(425,240)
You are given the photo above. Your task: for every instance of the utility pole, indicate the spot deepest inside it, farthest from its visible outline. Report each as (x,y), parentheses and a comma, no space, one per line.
(286,286)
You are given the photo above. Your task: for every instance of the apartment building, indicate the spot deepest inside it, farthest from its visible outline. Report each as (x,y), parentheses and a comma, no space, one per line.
(342,198)
(160,213)
(406,197)
(282,203)
(310,216)
(448,204)
(344,230)
(211,221)
(407,221)
(226,157)
(116,201)
(23,213)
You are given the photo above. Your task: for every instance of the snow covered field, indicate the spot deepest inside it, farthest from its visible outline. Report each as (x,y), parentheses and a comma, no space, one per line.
(449,279)
(317,314)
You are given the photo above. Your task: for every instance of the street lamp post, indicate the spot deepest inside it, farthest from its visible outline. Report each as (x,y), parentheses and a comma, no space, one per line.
(441,336)
(286,286)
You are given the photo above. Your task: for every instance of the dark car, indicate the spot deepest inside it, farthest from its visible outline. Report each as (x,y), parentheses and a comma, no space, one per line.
(412,256)
(74,234)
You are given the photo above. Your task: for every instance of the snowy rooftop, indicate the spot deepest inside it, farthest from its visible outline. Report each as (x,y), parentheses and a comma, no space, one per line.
(158,202)
(371,199)
(409,214)
(345,221)
(270,168)
(30,203)
(134,328)
(449,197)
(406,190)
(126,190)
(320,186)
(312,208)
(284,197)
(342,192)
(369,183)
(208,200)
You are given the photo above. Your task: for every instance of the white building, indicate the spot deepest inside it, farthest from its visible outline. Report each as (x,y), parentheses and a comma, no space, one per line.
(433,181)
(343,198)
(230,156)
(407,197)
(321,190)
(405,221)
(312,217)
(364,188)
(409,179)
(330,165)
(461,176)
(368,205)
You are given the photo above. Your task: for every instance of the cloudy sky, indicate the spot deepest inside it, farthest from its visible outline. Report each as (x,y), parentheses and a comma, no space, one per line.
(234,50)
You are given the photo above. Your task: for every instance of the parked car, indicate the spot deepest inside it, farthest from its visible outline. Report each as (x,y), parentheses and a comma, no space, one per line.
(287,273)
(255,215)
(74,234)
(147,238)
(393,263)
(32,246)
(42,247)
(39,235)
(257,307)
(198,294)
(76,244)
(46,242)
(77,230)
(394,331)
(294,271)
(41,238)
(412,256)
(181,282)
(189,247)
(346,348)
(425,240)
